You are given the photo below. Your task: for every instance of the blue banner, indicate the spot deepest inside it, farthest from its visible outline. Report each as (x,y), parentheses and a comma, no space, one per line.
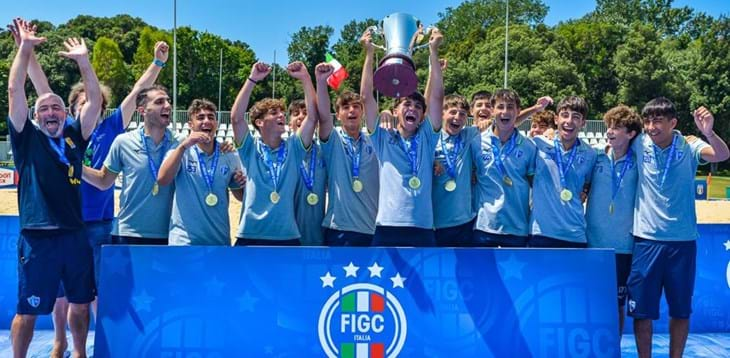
(353,302)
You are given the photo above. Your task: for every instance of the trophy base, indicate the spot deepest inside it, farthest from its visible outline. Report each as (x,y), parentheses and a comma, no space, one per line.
(396,77)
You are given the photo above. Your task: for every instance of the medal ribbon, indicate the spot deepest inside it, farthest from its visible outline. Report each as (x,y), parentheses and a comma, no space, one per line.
(308,176)
(451,156)
(208,176)
(501,155)
(563,170)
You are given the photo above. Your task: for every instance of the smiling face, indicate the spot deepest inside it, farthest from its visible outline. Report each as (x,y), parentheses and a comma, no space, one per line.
(204,120)
(296,116)
(660,128)
(505,115)
(454,119)
(410,114)
(50,112)
(157,109)
(481,110)
(350,115)
(569,124)
(273,122)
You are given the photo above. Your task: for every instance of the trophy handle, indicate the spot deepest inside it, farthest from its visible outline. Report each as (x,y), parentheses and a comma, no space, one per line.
(374,30)
(426,32)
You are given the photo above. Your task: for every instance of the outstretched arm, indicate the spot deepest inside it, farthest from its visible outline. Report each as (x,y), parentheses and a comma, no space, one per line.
(326,124)
(435,80)
(542,102)
(259,71)
(147,79)
(17,100)
(90,112)
(35,72)
(366,82)
(306,131)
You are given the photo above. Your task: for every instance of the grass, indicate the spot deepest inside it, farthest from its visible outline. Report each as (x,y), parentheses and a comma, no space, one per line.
(717,186)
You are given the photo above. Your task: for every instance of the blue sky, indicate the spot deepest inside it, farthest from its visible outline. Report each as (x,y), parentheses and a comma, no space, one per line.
(267,25)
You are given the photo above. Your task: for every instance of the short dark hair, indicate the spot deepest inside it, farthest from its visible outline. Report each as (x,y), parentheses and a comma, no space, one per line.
(479,95)
(506,95)
(415,96)
(348,97)
(659,107)
(456,100)
(200,104)
(573,103)
(297,105)
(142,99)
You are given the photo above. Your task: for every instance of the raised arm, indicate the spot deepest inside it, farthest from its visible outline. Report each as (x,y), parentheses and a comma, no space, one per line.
(718,150)
(35,72)
(259,71)
(539,106)
(76,50)
(147,79)
(435,97)
(326,124)
(443,63)
(17,100)
(366,82)
(298,70)
(171,164)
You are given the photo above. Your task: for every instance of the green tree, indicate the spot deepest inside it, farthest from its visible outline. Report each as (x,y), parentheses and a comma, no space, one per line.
(110,68)
(309,45)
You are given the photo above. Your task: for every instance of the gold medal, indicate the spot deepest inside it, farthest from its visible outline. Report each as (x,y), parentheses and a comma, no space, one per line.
(356,185)
(211,199)
(414,182)
(312,199)
(155,189)
(610,208)
(566,195)
(274,197)
(450,185)
(70,171)
(507,180)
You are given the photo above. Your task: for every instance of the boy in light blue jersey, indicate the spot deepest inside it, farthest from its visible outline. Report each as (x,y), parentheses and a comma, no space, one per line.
(271,164)
(352,167)
(309,197)
(453,160)
(563,169)
(505,164)
(610,205)
(665,225)
(202,175)
(406,155)
(144,205)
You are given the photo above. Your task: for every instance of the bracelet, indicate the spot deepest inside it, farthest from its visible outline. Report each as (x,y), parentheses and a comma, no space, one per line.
(252,80)
(158,63)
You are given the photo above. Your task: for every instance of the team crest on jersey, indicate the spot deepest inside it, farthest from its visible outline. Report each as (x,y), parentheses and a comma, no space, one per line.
(34,301)
(225,169)
(599,167)
(680,154)
(362,319)
(581,159)
(369,149)
(519,153)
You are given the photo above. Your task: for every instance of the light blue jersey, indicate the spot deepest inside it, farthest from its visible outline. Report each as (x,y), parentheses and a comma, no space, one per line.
(193,222)
(261,218)
(455,174)
(502,208)
(552,216)
(347,209)
(309,217)
(141,212)
(610,206)
(401,203)
(667,212)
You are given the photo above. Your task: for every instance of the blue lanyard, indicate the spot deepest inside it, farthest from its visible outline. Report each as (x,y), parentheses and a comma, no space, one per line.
(500,156)
(354,155)
(563,170)
(308,176)
(208,176)
(60,149)
(451,156)
(153,167)
(89,153)
(616,181)
(411,151)
(273,167)
(672,151)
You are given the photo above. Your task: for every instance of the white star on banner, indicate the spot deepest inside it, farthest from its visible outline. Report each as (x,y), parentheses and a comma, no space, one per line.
(727,245)
(398,280)
(375,270)
(351,270)
(328,280)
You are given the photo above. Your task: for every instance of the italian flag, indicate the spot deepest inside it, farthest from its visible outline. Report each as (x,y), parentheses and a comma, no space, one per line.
(362,302)
(339,74)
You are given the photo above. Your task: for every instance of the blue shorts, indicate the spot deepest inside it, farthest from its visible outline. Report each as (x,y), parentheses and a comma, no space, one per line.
(265,242)
(662,265)
(45,259)
(455,236)
(486,239)
(549,242)
(395,236)
(623,268)
(334,237)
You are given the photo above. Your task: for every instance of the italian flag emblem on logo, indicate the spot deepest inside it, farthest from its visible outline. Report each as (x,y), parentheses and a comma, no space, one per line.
(362,302)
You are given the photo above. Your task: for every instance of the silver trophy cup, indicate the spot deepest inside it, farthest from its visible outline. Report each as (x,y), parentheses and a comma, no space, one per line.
(396,73)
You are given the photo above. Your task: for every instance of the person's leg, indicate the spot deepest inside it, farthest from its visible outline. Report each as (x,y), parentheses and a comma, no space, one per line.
(645,290)
(21,334)
(642,333)
(60,315)
(78,321)
(679,288)
(678,332)
(623,268)
(99,234)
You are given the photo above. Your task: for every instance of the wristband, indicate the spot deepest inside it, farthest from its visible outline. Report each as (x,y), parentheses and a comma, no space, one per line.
(252,80)
(158,63)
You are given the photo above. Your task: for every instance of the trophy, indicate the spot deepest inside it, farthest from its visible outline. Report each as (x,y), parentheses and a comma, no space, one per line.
(396,73)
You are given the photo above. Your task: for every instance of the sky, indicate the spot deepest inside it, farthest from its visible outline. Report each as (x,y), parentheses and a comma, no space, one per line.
(267,26)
